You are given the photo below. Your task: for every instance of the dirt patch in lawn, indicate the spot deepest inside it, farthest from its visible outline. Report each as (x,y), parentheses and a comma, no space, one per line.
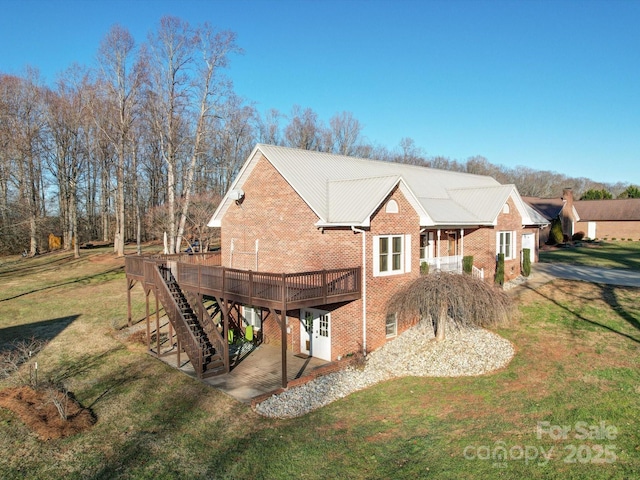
(37,409)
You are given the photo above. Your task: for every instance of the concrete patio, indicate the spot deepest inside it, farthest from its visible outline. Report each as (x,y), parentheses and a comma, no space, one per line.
(257,372)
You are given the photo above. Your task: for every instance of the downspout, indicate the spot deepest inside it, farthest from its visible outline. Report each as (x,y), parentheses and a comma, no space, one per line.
(364,287)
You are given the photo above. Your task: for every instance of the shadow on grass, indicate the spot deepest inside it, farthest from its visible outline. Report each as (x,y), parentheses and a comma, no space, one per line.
(617,256)
(70,282)
(164,419)
(44,330)
(609,296)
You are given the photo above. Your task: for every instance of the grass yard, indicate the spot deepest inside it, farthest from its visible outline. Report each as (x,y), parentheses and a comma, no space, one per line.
(608,254)
(577,366)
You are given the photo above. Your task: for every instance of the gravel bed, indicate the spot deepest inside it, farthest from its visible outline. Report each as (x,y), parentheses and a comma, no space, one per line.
(465,352)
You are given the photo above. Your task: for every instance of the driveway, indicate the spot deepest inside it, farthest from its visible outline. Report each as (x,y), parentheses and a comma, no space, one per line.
(609,276)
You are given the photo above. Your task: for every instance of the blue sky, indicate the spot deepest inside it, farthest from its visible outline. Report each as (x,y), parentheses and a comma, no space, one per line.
(551,85)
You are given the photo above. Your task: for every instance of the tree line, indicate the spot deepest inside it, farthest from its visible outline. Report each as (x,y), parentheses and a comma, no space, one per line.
(146,141)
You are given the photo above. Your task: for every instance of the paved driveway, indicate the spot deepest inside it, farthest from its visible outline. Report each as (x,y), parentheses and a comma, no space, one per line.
(610,276)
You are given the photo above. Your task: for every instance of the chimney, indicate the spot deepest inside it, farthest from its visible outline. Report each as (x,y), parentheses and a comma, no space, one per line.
(567,212)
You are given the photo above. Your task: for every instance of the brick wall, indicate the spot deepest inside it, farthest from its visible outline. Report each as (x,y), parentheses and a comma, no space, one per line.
(274,215)
(381,289)
(610,230)
(288,241)
(481,243)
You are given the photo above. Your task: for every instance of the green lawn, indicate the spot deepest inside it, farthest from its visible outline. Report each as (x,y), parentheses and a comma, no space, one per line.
(577,365)
(598,254)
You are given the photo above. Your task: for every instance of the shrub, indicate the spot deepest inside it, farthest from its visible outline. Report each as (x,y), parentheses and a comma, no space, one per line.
(555,235)
(526,262)
(424,268)
(500,269)
(577,237)
(457,300)
(467,264)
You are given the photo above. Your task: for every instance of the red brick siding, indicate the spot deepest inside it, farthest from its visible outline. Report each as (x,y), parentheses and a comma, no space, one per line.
(288,241)
(609,230)
(381,289)
(284,225)
(481,244)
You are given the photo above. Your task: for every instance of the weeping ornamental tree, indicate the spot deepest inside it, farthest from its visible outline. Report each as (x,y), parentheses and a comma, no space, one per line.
(458,300)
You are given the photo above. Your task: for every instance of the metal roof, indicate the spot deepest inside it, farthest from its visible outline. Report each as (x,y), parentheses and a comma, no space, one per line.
(345,190)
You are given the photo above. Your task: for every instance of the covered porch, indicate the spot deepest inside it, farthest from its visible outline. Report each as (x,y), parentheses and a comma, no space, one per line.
(443,250)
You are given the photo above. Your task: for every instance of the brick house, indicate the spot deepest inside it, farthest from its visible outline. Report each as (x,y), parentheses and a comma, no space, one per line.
(596,219)
(609,219)
(562,208)
(291,210)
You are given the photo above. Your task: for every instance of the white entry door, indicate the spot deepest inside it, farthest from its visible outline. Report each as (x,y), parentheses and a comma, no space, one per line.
(315,333)
(529,241)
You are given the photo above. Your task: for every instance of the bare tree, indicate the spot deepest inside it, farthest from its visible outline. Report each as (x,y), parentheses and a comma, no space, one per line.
(25,119)
(123,79)
(303,130)
(269,130)
(345,132)
(184,102)
(70,125)
(233,139)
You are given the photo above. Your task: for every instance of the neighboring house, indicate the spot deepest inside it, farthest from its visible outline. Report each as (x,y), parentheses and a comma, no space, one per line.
(293,210)
(596,219)
(609,219)
(552,208)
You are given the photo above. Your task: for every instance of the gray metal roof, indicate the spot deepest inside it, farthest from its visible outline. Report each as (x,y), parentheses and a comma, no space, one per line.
(346,190)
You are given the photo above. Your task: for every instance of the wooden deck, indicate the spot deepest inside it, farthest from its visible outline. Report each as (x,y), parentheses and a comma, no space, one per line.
(203,274)
(170,277)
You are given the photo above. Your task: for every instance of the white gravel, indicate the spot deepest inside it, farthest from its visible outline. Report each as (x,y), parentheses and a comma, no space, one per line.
(466,352)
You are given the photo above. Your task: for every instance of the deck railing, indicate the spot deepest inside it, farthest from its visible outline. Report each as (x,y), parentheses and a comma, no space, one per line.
(204,276)
(452,263)
(186,336)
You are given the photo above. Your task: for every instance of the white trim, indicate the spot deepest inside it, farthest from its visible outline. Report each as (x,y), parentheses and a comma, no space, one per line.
(512,251)
(392,206)
(407,253)
(395,325)
(403,259)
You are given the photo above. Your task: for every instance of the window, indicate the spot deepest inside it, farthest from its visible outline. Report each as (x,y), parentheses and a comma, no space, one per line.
(505,208)
(252,316)
(391,254)
(323,329)
(392,206)
(505,244)
(392,325)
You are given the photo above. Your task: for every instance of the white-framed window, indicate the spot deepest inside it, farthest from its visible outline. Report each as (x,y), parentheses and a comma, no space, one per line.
(392,206)
(252,316)
(391,326)
(506,243)
(391,254)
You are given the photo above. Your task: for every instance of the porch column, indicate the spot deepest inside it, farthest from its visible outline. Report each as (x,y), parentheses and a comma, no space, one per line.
(462,242)
(438,257)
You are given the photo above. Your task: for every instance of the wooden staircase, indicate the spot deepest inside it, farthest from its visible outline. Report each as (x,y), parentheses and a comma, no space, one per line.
(202,345)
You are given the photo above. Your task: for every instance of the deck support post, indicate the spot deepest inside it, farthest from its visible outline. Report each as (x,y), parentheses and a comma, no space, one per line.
(224,310)
(130,284)
(155,294)
(146,295)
